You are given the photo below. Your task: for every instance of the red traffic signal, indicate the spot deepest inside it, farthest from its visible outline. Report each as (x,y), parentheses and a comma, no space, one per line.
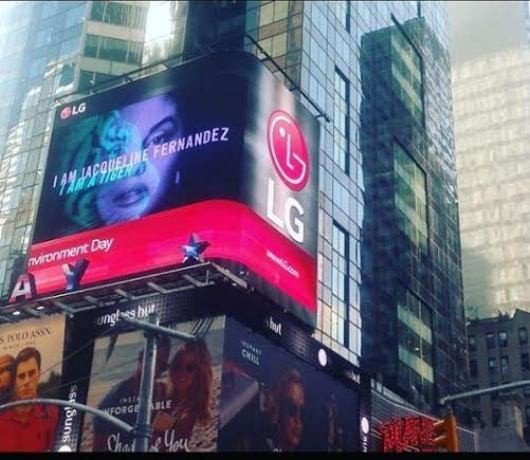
(446,434)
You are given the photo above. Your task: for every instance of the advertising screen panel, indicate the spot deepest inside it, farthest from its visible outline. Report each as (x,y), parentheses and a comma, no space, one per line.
(273,401)
(185,394)
(213,159)
(30,367)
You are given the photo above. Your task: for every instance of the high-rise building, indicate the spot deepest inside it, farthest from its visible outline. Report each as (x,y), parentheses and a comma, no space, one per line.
(413,316)
(376,75)
(491,96)
(50,49)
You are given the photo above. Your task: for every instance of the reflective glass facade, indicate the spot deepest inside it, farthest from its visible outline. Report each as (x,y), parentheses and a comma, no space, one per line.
(43,56)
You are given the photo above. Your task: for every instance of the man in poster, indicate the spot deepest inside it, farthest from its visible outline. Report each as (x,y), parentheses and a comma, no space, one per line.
(28,428)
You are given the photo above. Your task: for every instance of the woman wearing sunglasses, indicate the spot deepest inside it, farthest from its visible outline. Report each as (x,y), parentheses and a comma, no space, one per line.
(190,382)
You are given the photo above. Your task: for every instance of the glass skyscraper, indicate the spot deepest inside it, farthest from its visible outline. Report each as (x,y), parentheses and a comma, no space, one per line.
(50,49)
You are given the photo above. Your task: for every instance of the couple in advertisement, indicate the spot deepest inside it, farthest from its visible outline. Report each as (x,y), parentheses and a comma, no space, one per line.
(25,353)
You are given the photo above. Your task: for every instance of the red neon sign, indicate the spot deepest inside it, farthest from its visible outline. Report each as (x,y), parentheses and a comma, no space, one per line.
(410,433)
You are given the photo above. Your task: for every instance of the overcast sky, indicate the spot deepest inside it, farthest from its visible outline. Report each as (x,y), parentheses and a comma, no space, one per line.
(483,27)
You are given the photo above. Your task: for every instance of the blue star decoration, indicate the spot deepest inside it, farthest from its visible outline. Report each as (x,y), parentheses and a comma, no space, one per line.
(193,250)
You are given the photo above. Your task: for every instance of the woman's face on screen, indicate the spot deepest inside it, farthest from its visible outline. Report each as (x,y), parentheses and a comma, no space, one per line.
(140,128)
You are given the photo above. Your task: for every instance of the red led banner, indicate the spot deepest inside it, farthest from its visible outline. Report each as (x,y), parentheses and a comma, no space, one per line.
(233,231)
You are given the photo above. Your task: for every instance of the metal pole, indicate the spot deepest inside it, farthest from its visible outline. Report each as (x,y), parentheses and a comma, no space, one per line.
(153,328)
(81,407)
(482,391)
(143,419)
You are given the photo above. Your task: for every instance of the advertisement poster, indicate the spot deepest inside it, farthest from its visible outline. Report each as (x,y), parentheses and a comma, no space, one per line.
(273,402)
(31,354)
(212,160)
(185,396)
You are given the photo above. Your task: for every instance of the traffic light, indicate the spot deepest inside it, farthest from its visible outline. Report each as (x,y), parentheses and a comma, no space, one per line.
(445,433)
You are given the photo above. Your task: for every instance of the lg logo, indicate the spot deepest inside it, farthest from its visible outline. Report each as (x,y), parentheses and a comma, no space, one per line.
(288,150)
(69,111)
(289,155)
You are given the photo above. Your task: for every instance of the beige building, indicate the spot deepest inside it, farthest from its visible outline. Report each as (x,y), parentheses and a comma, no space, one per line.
(491,98)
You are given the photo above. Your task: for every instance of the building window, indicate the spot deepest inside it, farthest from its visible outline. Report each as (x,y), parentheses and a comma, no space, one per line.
(495,394)
(526,390)
(91,45)
(527,414)
(119,14)
(473,369)
(273,11)
(98,10)
(502,337)
(342,8)
(495,417)
(341,121)
(339,284)
(490,340)
(407,72)
(474,399)
(410,198)
(492,365)
(113,49)
(525,362)
(472,343)
(505,365)
(90,79)
(523,336)
(415,335)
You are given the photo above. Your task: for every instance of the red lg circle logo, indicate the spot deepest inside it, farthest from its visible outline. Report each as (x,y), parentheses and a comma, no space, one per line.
(288,150)
(66,112)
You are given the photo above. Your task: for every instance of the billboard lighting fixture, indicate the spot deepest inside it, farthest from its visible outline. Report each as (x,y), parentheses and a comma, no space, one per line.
(16,313)
(40,307)
(322,357)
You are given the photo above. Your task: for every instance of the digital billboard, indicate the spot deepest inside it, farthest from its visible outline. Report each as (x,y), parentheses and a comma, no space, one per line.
(185,392)
(214,158)
(235,389)
(30,367)
(272,401)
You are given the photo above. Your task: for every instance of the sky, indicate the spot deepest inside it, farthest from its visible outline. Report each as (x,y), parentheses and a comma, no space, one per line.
(483,27)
